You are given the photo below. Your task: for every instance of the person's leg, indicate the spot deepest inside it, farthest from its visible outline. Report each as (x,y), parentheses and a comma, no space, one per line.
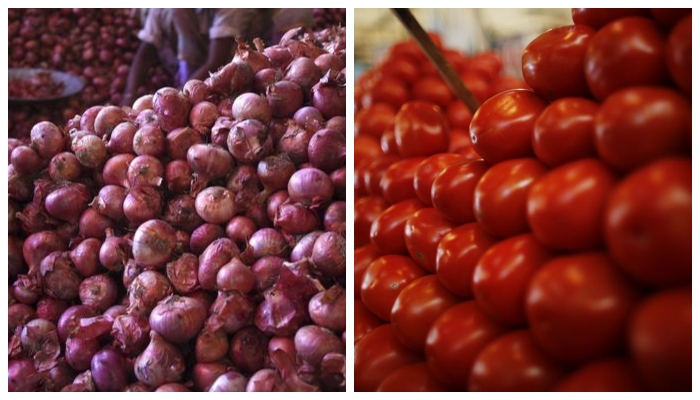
(191,47)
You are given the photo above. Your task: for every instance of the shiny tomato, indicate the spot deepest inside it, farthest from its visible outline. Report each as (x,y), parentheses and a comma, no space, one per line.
(502,274)
(377,355)
(565,206)
(657,120)
(669,17)
(365,321)
(384,279)
(607,375)
(679,54)
(403,68)
(648,223)
(412,378)
(388,142)
(418,305)
(578,305)
(375,119)
(626,52)
(432,89)
(366,148)
(457,255)
(460,143)
(367,209)
(423,232)
(452,193)
(428,170)
(397,181)
(449,351)
(504,82)
(500,196)
(552,63)
(373,171)
(359,183)
(387,230)
(596,18)
(661,340)
(458,115)
(564,131)
(408,49)
(502,127)
(421,129)
(486,63)
(388,90)
(514,363)
(478,85)
(363,258)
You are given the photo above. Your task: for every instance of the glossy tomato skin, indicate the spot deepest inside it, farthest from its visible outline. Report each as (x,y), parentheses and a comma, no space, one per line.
(412,378)
(418,305)
(552,63)
(367,209)
(365,321)
(373,171)
(388,90)
(387,230)
(563,306)
(363,257)
(502,275)
(384,279)
(669,17)
(388,142)
(421,129)
(679,54)
(627,52)
(565,207)
(648,223)
(377,355)
(502,127)
(367,147)
(564,131)
(397,180)
(661,340)
(375,119)
(450,353)
(428,170)
(478,85)
(457,256)
(607,375)
(458,115)
(597,18)
(423,232)
(433,89)
(402,68)
(514,363)
(500,196)
(452,193)
(657,120)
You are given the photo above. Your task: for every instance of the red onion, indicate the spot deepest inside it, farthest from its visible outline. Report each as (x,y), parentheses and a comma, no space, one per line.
(279,56)
(172,387)
(182,241)
(239,229)
(327,150)
(274,172)
(19,314)
(218,253)
(329,254)
(181,213)
(327,308)
(114,311)
(50,309)
(215,205)
(121,140)
(203,236)
(295,142)
(209,162)
(143,203)
(68,202)
(145,170)
(47,139)
(244,183)
(32,219)
(65,167)
(230,381)
(337,123)
(310,186)
(90,150)
(144,102)
(314,342)
(16,263)
(172,108)
(284,98)
(256,59)
(70,320)
(220,131)
(107,119)
(86,257)
(26,160)
(204,374)
(138,387)
(178,176)
(59,277)
(266,270)
(203,116)
(131,333)
(309,118)
(177,318)
(182,273)
(149,140)
(145,117)
(230,312)
(232,79)
(109,371)
(225,107)
(27,289)
(334,217)
(295,219)
(235,275)
(266,77)
(146,291)
(287,367)
(22,376)
(196,91)
(13,143)
(211,346)
(248,349)
(87,120)
(248,141)
(268,242)
(251,106)
(304,247)
(98,292)
(92,224)
(131,271)
(110,201)
(116,170)
(39,339)
(338,179)
(305,73)
(82,383)
(57,377)
(257,211)
(328,95)
(179,140)
(266,380)
(160,363)
(154,243)
(19,187)
(329,61)
(39,245)
(285,344)
(275,200)
(114,252)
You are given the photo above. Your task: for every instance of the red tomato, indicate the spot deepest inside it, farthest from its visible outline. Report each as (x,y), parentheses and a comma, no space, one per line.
(599,17)
(388,142)
(656,120)
(514,363)
(366,148)
(428,170)
(450,352)
(648,223)
(552,63)
(679,55)
(397,180)
(458,115)
(661,340)
(457,256)
(432,89)
(501,276)
(486,63)
(375,119)
(626,52)
(423,231)
(565,207)
(363,258)
(401,67)
(421,129)
(387,230)
(504,82)
(669,17)
(577,306)
(365,320)
(502,127)
(387,90)
(500,197)
(384,279)
(367,209)
(418,305)
(408,49)
(452,192)
(608,375)
(412,378)
(377,355)
(477,84)
(373,171)
(461,144)
(564,131)
(359,183)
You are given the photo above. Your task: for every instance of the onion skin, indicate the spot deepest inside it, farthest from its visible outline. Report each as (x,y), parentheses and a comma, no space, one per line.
(179,140)
(110,201)
(334,217)
(230,312)
(146,291)
(70,320)
(251,106)
(149,140)
(68,202)
(314,342)
(178,319)
(26,160)
(109,372)
(47,139)
(329,254)
(211,346)
(284,98)
(65,166)
(248,141)
(98,292)
(107,119)
(160,363)
(204,374)
(268,242)
(131,333)
(215,205)
(182,273)
(172,387)
(248,349)
(116,169)
(230,381)
(235,275)
(327,308)
(154,243)
(23,377)
(172,108)
(327,150)
(121,139)
(218,253)
(311,187)
(203,115)
(203,236)
(59,277)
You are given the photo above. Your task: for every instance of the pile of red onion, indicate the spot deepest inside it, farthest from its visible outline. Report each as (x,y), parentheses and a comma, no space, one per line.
(192,242)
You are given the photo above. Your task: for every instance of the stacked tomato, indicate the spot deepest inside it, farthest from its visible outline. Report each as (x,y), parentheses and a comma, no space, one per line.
(544,242)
